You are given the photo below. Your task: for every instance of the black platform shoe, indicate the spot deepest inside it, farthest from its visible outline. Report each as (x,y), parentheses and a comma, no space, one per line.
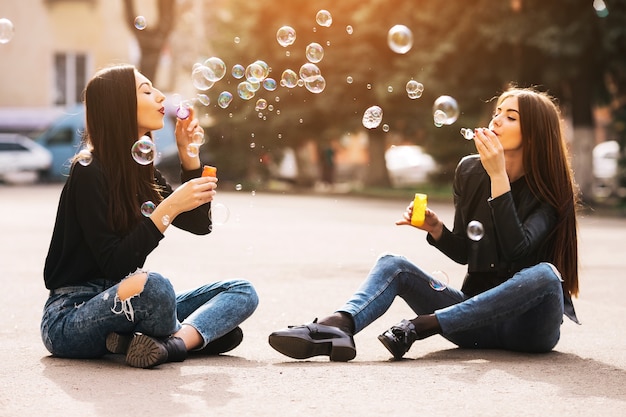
(313,339)
(146,351)
(399,338)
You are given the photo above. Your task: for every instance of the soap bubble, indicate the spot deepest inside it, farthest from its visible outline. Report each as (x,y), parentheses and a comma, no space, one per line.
(316,85)
(238,187)
(349,29)
(400,39)
(414,89)
(439,117)
(84,157)
(200,78)
(286,36)
(438,280)
(265,67)
(261,104)
(245,90)
(140,22)
(385,128)
(309,72)
(269,84)
(314,52)
(143,151)
(372,117)
(224,99)
(349,79)
(147,208)
(238,71)
(203,99)
(6,30)
(193,150)
(289,78)
(197,138)
(219,214)
(475,230)
(216,69)
(445,110)
(255,72)
(165,220)
(467,133)
(324,18)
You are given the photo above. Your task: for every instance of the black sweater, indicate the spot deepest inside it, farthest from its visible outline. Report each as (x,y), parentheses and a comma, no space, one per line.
(84,248)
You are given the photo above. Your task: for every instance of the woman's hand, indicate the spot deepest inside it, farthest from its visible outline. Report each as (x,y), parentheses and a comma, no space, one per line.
(186,131)
(431,224)
(492,157)
(187,196)
(491,152)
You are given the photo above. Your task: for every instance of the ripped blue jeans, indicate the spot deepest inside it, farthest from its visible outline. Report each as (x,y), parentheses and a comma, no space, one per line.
(524,313)
(77,319)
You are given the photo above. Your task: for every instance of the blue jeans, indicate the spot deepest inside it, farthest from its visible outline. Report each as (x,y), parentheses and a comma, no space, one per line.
(524,313)
(77,319)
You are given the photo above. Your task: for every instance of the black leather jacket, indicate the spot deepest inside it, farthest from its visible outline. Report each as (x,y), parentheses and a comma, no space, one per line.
(516,224)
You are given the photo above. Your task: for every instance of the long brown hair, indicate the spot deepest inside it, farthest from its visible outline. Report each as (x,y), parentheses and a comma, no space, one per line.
(549,175)
(111,120)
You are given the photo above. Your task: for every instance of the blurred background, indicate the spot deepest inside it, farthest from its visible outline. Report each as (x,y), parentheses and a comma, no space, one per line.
(312,133)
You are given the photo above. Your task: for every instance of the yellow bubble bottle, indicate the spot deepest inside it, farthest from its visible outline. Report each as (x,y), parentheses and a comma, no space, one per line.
(419,209)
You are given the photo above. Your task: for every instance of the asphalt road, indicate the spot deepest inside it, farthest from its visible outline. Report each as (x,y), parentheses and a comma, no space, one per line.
(305,254)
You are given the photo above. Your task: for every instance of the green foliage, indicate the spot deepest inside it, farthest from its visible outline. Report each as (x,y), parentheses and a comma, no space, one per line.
(471,52)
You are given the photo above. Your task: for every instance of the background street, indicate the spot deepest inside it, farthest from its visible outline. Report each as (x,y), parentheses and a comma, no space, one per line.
(305,254)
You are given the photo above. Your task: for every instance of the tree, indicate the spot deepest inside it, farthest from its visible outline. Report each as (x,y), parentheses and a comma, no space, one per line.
(470,53)
(153,37)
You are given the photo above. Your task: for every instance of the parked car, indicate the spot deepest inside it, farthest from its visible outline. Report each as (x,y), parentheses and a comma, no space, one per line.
(21,158)
(64,139)
(408,165)
(605,156)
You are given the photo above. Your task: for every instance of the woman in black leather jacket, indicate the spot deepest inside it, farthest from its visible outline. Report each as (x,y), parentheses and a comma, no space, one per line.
(521,273)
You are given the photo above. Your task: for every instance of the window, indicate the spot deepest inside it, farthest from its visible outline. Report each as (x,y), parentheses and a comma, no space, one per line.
(70,77)
(63,136)
(12,147)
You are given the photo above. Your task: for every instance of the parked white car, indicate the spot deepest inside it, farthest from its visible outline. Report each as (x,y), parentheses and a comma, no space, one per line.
(408,165)
(605,156)
(21,158)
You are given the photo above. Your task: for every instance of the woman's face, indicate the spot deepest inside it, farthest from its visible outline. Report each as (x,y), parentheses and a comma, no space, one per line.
(505,124)
(150,110)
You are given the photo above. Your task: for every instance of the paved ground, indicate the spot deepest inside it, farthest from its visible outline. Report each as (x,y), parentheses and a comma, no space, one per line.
(306,254)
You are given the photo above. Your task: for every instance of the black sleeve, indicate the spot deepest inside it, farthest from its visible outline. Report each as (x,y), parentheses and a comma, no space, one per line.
(454,244)
(196,221)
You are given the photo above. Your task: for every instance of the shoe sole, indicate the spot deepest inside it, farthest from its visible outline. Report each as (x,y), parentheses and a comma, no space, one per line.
(118,343)
(145,352)
(390,347)
(298,348)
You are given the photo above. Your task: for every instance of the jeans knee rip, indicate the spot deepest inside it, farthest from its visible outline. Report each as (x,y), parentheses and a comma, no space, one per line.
(125,305)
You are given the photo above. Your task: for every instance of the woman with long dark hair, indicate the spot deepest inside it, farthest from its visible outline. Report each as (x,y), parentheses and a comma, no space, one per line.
(521,273)
(113,211)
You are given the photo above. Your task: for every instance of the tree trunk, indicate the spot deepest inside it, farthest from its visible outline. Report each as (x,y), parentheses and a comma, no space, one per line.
(377,175)
(151,39)
(584,137)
